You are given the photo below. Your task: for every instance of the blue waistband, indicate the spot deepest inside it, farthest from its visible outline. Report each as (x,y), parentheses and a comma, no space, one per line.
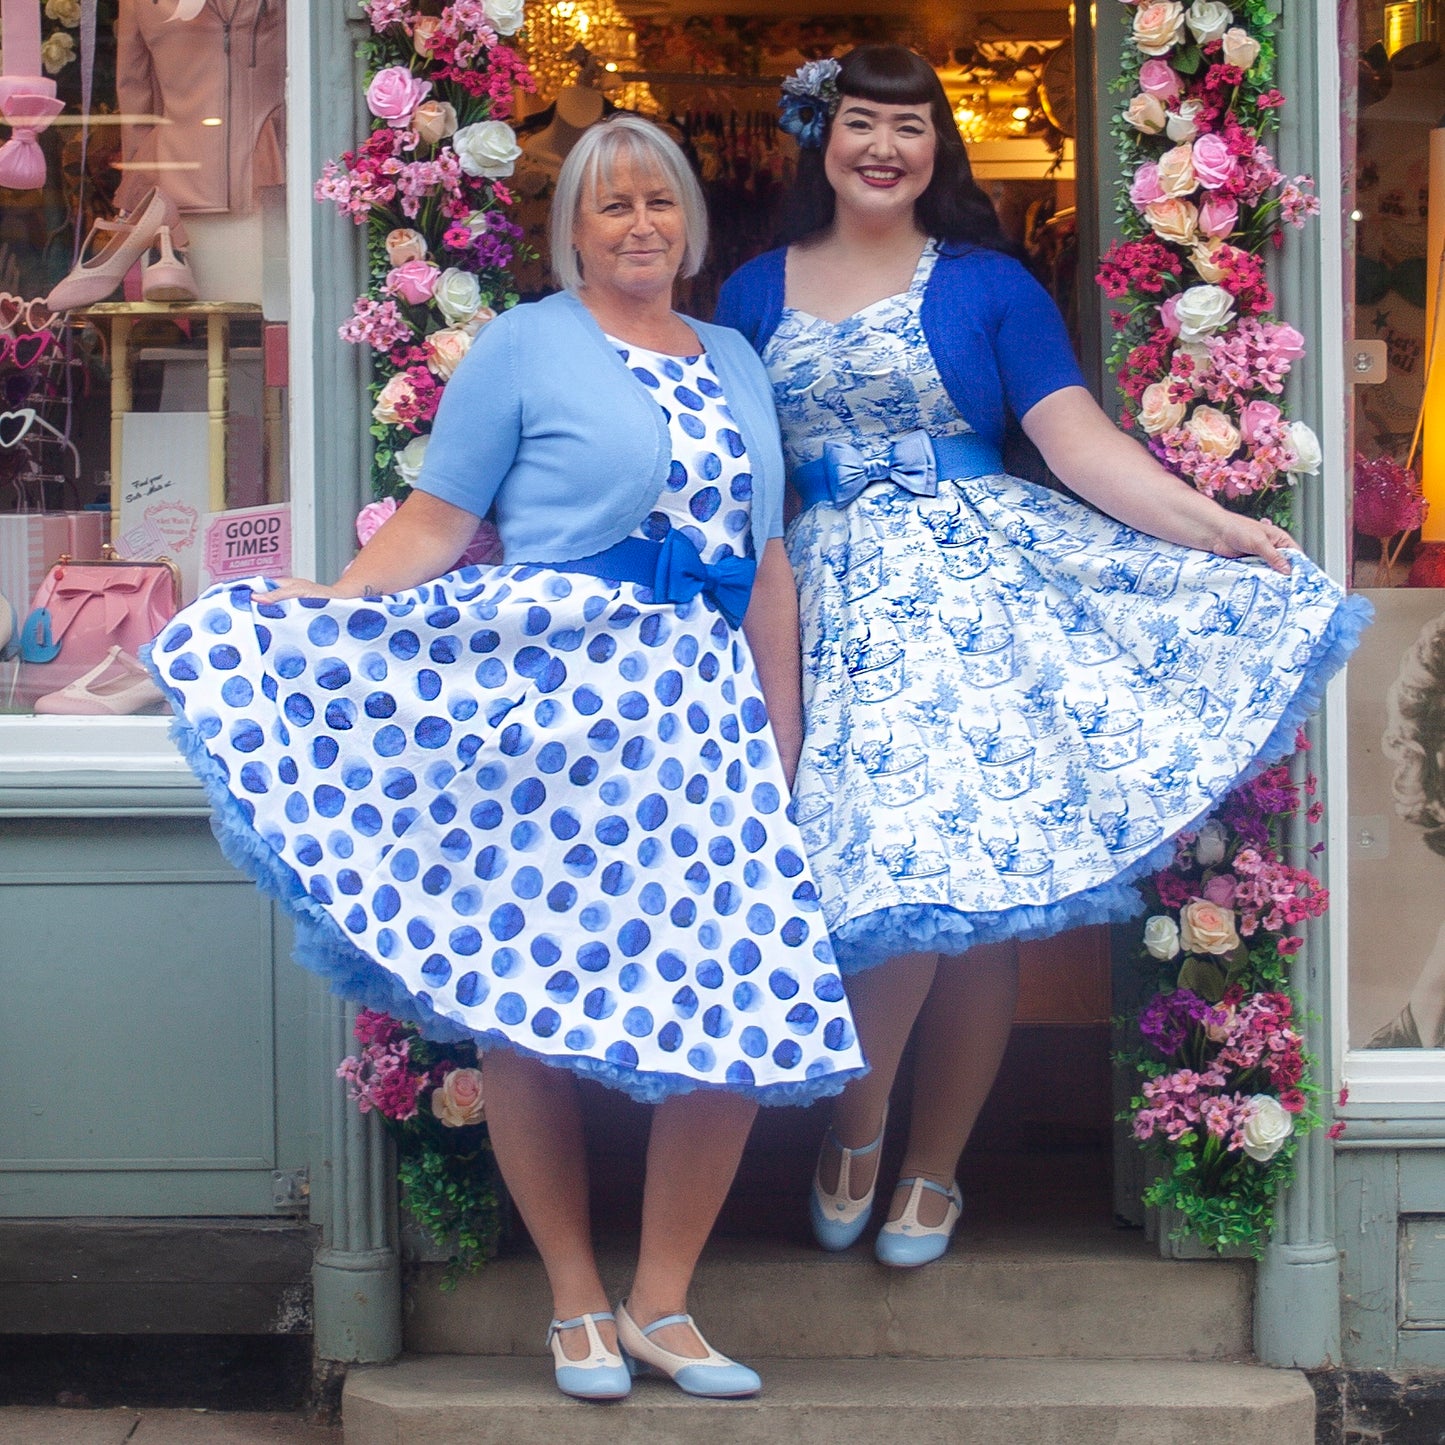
(674,570)
(915,461)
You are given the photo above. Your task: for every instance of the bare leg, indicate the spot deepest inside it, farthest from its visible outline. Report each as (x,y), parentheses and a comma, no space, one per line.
(963,1029)
(693,1151)
(885,1003)
(535,1125)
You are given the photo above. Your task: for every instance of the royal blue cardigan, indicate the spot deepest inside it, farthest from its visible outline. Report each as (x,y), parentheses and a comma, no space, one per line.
(996,336)
(544,419)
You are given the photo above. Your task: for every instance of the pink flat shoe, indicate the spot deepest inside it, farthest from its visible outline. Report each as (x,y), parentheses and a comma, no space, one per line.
(116,687)
(170,277)
(93,278)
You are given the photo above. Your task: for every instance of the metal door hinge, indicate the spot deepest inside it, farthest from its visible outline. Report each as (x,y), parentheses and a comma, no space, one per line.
(290,1190)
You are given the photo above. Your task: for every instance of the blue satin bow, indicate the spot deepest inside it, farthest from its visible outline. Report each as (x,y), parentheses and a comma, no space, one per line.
(682,574)
(909,463)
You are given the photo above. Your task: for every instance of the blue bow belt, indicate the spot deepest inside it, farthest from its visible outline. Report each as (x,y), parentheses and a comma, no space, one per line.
(675,571)
(915,462)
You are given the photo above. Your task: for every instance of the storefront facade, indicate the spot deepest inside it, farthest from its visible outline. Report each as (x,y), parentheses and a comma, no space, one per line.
(208,1061)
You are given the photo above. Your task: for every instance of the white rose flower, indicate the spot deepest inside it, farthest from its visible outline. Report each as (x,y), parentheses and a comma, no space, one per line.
(1268,1127)
(487,148)
(1161,937)
(504,16)
(1208,20)
(1306,448)
(1183,124)
(457,295)
(409,459)
(57,52)
(65,11)
(1203,310)
(1158,411)
(1210,844)
(1158,27)
(1240,48)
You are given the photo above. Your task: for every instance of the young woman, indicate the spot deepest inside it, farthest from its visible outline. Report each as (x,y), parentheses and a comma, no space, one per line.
(1012,701)
(541,803)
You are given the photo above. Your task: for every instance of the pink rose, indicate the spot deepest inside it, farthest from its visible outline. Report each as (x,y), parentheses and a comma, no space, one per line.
(370,518)
(404,245)
(1218,216)
(1220,889)
(1255,417)
(1285,343)
(1168,315)
(413,281)
(394,93)
(1214,165)
(423,33)
(1159,79)
(1145,188)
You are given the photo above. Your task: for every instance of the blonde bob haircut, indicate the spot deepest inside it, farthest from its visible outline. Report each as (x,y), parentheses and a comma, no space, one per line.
(591,163)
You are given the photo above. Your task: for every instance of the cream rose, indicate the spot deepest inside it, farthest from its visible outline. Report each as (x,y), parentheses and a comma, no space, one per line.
(457,1100)
(1240,48)
(1208,20)
(434,120)
(1146,113)
(423,33)
(1205,927)
(1161,937)
(1268,1126)
(409,459)
(1159,27)
(1209,846)
(1183,124)
(445,349)
(504,16)
(457,294)
(67,12)
(403,245)
(487,148)
(1176,171)
(477,320)
(1158,411)
(397,392)
(1173,221)
(57,52)
(1203,310)
(1305,446)
(1216,434)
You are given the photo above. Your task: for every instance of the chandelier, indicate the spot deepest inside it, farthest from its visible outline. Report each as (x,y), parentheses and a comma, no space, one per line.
(580,41)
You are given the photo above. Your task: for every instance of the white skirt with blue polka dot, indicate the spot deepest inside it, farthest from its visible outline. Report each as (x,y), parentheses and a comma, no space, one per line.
(532,807)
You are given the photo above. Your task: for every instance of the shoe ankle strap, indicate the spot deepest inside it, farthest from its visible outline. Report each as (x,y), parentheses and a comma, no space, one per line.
(593,1318)
(665,1321)
(918,1179)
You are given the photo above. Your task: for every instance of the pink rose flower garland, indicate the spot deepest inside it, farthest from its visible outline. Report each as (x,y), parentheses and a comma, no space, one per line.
(428,183)
(1201,360)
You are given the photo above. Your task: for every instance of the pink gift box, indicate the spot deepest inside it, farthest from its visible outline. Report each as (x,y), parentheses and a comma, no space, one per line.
(29,543)
(85,533)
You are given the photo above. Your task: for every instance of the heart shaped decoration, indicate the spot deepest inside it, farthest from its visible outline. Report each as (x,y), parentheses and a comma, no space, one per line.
(11,310)
(15,425)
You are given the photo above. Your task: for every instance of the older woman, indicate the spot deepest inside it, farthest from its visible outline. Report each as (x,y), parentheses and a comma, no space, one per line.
(542,804)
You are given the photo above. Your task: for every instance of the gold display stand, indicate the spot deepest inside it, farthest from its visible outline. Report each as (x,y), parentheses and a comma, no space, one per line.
(118,318)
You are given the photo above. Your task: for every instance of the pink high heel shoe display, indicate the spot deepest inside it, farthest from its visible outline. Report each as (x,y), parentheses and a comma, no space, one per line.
(94,277)
(169,278)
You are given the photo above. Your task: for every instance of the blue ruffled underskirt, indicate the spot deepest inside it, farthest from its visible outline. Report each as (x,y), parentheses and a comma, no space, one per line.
(322,947)
(863,943)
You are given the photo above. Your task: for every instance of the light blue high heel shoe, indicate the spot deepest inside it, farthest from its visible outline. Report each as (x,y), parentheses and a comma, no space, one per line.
(838,1219)
(603,1375)
(904,1242)
(714,1377)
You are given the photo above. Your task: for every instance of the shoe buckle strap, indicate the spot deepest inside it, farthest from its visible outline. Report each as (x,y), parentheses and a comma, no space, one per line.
(588,1320)
(668,1320)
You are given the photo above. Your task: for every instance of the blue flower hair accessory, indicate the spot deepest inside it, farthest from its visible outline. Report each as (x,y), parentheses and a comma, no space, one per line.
(810,95)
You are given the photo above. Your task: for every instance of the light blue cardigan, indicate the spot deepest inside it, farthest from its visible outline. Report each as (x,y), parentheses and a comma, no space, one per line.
(544,420)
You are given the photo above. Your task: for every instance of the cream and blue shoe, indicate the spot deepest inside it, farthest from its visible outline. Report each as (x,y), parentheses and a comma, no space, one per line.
(603,1375)
(714,1377)
(904,1242)
(838,1219)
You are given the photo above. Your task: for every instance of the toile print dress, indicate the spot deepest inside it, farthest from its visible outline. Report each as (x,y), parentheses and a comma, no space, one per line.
(531,806)
(1012,702)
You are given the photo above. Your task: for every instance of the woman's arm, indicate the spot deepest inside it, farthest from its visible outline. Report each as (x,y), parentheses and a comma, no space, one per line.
(772,632)
(420,540)
(1092,457)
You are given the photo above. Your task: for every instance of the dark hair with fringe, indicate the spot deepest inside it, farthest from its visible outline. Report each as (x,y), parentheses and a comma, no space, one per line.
(953,208)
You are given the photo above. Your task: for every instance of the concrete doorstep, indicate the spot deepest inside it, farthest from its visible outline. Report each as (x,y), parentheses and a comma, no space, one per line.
(26,1425)
(470,1400)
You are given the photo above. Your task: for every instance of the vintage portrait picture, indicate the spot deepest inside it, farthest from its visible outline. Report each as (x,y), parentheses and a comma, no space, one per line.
(1397,825)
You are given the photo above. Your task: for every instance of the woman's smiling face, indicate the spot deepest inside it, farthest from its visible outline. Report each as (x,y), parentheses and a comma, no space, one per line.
(880,157)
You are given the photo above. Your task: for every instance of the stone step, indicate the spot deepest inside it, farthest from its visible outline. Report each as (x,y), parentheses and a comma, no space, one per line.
(1001,1292)
(466,1400)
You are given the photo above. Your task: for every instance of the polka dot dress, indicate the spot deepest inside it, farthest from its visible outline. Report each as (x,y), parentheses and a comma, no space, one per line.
(534,807)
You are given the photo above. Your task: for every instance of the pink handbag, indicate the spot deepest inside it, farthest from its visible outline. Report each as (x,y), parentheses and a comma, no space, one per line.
(96,605)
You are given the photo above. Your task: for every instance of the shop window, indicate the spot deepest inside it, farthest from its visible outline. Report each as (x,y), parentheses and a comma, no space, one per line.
(1396,996)
(143,338)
